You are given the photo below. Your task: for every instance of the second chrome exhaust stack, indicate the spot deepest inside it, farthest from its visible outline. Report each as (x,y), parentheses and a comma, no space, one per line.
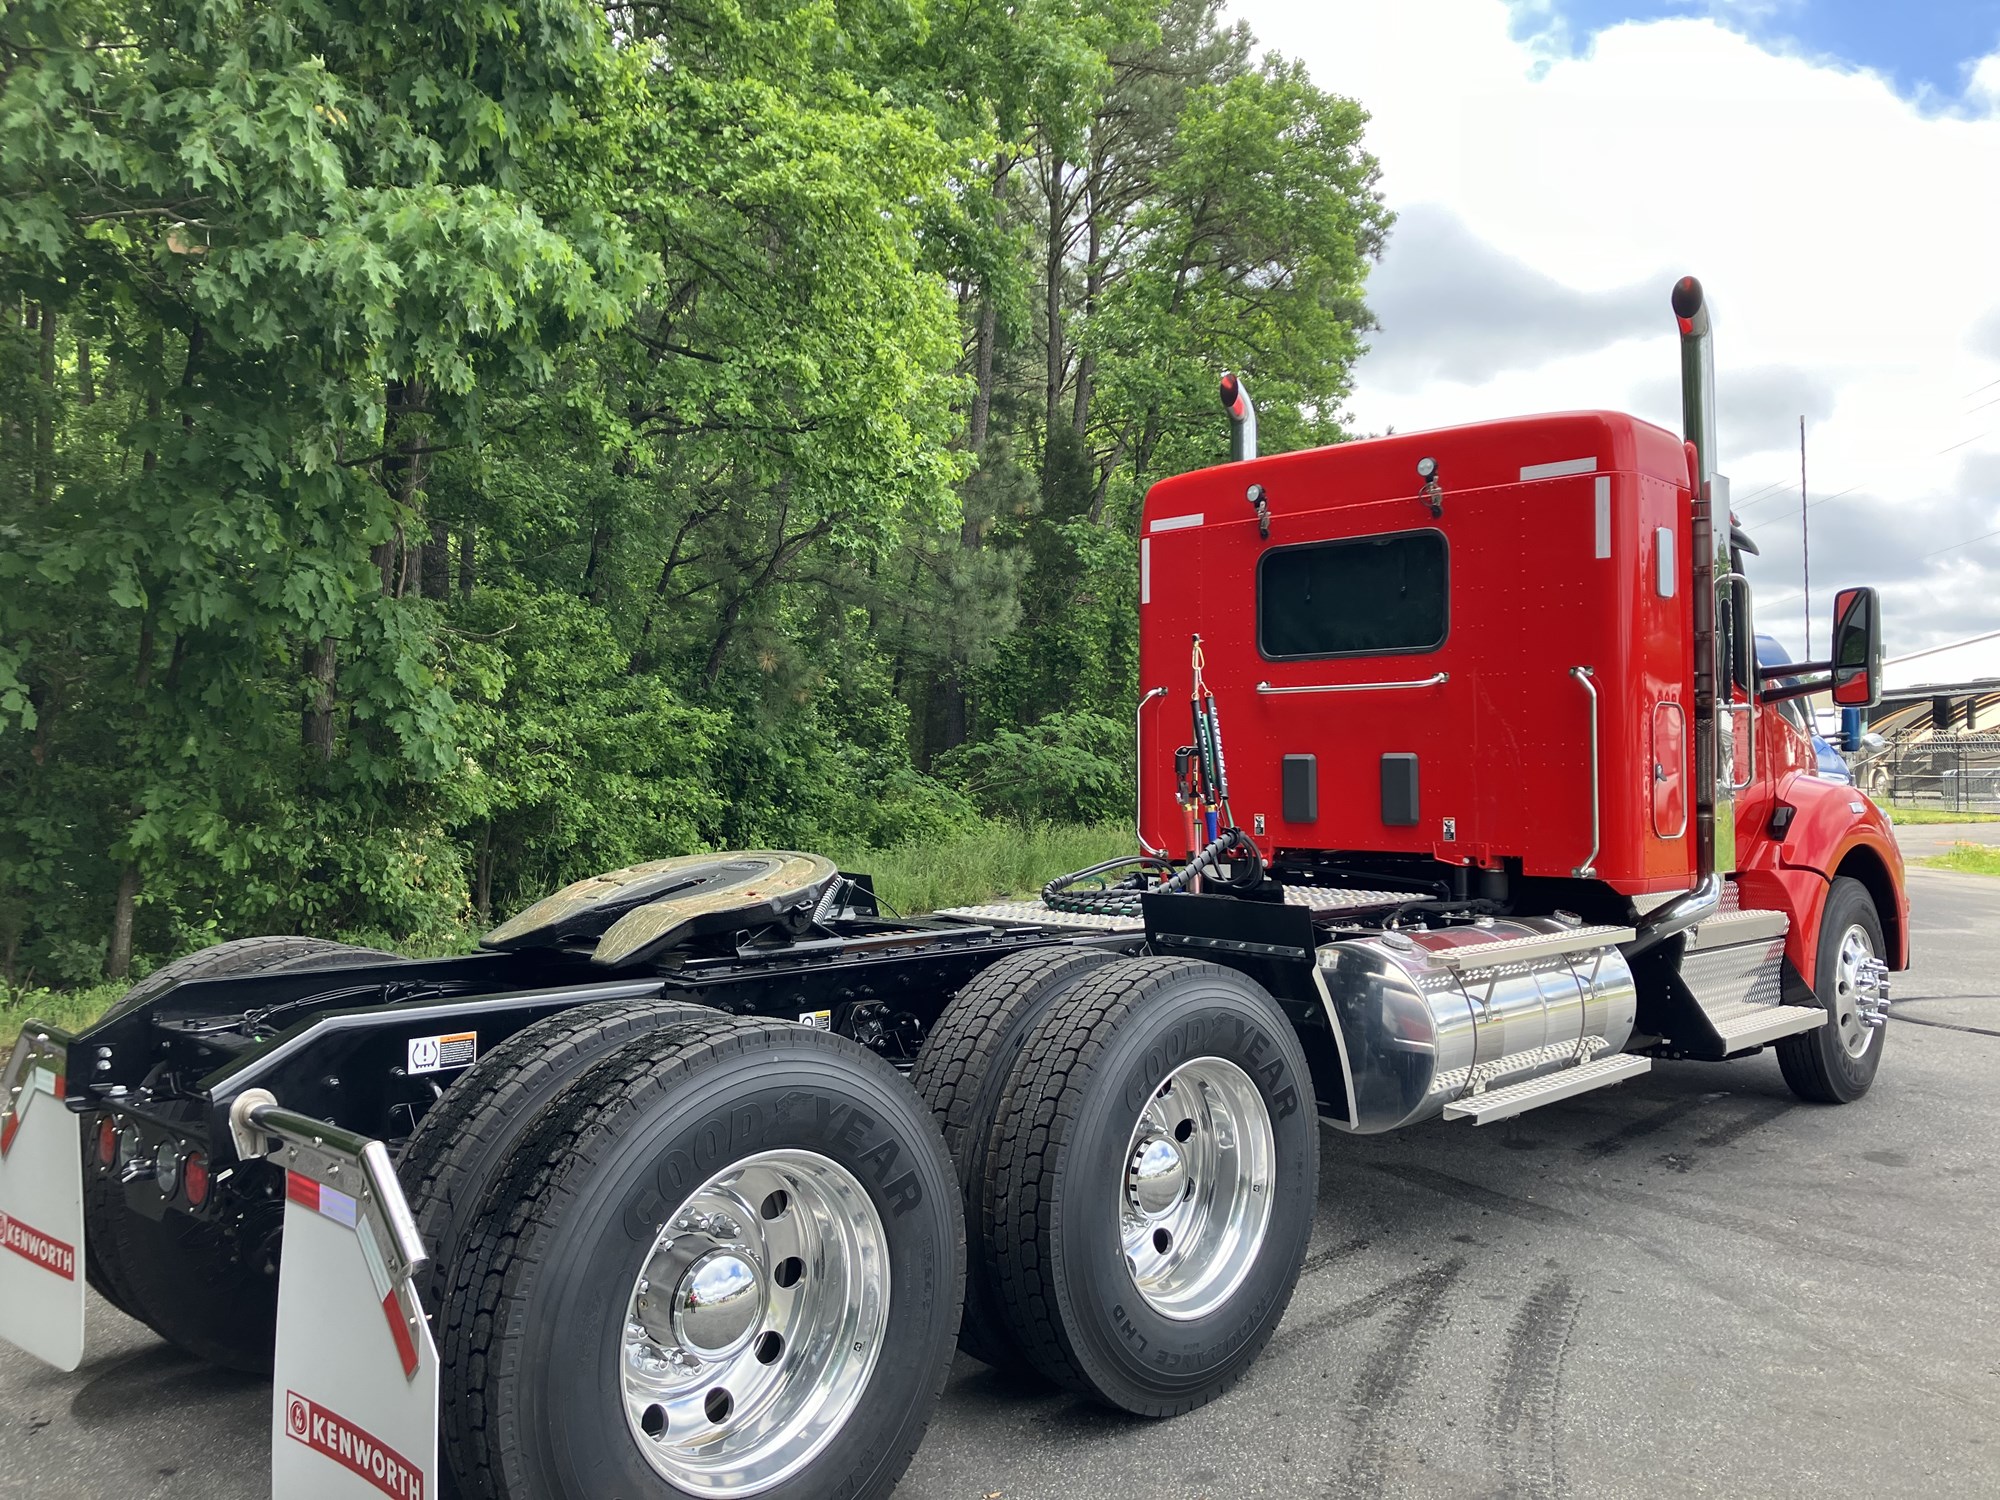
(1242,418)
(1714,792)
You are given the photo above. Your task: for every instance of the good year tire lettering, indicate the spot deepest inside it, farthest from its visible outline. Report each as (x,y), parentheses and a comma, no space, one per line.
(1187,1040)
(740,1130)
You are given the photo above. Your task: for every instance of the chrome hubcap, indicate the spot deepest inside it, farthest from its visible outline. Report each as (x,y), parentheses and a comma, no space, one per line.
(754,1323)
(1198,1179)
(1860,991)
(717,1303)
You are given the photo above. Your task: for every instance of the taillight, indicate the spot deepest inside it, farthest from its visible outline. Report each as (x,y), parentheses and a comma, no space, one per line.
(107,1141)
(195,1174)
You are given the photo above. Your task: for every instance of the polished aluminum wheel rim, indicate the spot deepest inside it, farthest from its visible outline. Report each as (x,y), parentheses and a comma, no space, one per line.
(1197,1189)
(1859,1003)
(754,1323)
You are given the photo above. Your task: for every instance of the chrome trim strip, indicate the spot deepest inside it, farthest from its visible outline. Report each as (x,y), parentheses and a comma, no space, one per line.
(1588,868)
(1178,523)
(1139,761)
(1268,691)
(1558,469)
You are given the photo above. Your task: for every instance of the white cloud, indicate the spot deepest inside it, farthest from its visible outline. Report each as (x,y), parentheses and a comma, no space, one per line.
(1848,239)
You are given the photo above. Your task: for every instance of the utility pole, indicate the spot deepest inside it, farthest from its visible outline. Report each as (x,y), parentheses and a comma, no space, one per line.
(1805,540)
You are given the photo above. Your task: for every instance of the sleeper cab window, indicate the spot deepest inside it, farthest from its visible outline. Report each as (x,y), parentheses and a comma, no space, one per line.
(1359,596)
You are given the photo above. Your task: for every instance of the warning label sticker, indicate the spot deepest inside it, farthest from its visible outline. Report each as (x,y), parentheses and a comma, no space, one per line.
(818,1020)
(387,1470)
(434,1054)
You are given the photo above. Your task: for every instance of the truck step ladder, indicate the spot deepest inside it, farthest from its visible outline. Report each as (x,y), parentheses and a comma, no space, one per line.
(1733,968)
(1517,1098)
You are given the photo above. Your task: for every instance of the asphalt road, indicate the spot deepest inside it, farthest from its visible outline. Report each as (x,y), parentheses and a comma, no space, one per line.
(1686,1285)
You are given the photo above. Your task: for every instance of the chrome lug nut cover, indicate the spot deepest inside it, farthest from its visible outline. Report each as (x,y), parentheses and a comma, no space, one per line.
(1157,1177)
(717,1304)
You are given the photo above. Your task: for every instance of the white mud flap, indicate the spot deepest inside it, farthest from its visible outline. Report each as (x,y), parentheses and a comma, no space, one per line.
(41,1202)
(354,1393)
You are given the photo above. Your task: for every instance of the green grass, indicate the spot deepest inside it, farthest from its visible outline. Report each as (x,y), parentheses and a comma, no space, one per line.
(1971,859)
(69,1009)
(1916,817)
(993,863)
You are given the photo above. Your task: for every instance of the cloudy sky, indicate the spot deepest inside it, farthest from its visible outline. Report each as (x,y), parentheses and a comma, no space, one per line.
(1831,171)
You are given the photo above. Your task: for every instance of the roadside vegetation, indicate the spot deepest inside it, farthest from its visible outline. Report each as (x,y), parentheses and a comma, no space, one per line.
(991,862)
(446,451)
(1972,859)
(1917,817)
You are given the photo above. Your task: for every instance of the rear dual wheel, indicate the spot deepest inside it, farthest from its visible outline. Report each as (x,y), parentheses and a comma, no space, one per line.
(1148,1189)
(962,1074)
(726,1260)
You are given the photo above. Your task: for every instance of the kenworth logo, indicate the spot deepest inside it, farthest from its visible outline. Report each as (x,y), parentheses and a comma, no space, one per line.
(46,1251)
(347,1445)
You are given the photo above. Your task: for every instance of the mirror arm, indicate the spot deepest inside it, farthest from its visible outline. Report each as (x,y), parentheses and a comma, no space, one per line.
(1796,690)
(1794,669)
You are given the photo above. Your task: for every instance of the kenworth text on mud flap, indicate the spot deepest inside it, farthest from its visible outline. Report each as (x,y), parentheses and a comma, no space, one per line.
(688,1181)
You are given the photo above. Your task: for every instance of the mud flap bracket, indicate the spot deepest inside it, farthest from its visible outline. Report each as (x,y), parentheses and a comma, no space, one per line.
(354,1389)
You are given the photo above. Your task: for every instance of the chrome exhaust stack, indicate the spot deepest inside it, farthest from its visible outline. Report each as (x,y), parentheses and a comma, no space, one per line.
(1714,759)
(1242,418)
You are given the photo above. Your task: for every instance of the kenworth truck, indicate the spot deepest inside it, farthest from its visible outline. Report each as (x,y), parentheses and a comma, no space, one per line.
(690,1180)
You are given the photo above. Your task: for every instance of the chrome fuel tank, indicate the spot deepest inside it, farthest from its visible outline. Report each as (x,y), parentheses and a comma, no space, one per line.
(1425,1018)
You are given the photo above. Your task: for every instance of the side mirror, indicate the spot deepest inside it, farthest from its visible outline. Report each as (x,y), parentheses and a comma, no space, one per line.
(1857,649)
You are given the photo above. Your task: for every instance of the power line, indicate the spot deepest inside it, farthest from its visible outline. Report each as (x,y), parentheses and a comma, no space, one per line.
(1768,496)
(1934,650)
(1759,496)
(1983,536)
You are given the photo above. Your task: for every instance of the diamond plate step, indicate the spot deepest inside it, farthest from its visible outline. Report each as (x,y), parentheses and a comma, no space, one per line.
(1524,949)
(1745,925)
(1755,1025)
(1734,969)
(1516,1098)
(1038,914)
(1314,898)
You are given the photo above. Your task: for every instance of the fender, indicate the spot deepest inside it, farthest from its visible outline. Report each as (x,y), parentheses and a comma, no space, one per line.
(1835,830)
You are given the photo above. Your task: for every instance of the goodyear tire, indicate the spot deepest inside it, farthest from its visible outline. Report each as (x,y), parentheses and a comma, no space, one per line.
(962,1074)
(726,1262)
(209,1288)
(1150,1187)
(1836,1063)
(464,1141)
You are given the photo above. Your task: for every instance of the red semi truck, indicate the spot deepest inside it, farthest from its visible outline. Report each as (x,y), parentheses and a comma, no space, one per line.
(689,1183)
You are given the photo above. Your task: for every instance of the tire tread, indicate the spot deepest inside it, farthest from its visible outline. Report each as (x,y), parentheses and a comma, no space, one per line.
(500,1265)
(1021,1203)
(953,1071)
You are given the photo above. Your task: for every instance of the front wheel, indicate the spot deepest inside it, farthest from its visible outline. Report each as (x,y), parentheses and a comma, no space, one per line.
(1835,1063)
(1150,1187)
(726,1263)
